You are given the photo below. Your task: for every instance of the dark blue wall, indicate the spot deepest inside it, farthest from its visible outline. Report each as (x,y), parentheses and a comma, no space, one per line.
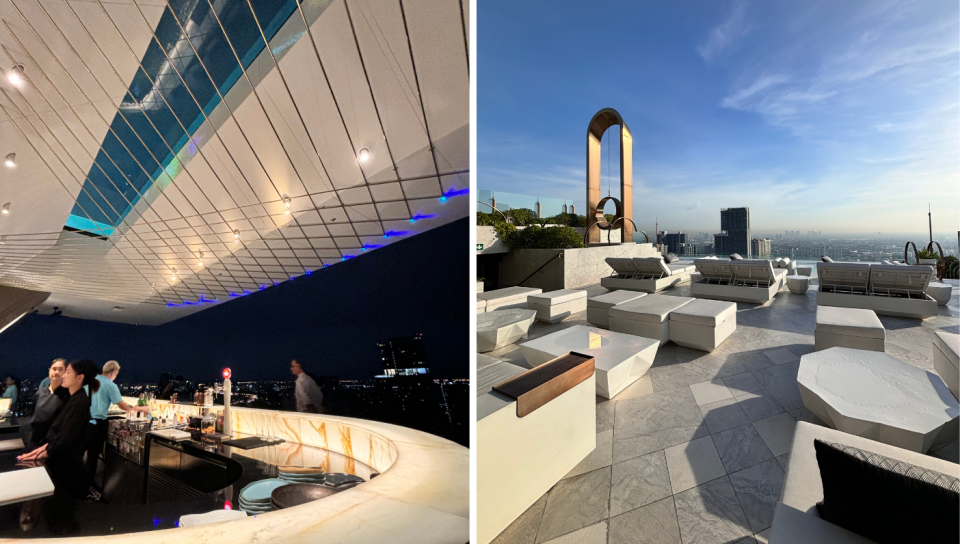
(331,319)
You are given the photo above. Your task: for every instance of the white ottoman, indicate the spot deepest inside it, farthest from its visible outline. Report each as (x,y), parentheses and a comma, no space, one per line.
(703,324)
(946,360)
(647,317)
(848,328)
(620,359)
(502,327)
(940,292)
(695,277)
(598,308)
(555,306)
(508,297)
(798,284)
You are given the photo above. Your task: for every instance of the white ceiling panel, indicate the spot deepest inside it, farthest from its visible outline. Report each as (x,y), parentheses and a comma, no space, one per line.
(259,192)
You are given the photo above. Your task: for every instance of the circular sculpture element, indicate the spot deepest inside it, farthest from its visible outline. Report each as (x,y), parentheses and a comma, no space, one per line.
(602,223)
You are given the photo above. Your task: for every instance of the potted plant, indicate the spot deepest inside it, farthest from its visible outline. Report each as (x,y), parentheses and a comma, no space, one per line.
(928,257)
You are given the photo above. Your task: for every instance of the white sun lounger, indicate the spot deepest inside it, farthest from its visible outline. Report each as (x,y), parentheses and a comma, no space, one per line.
(646,274)
(754,280)
(894,290)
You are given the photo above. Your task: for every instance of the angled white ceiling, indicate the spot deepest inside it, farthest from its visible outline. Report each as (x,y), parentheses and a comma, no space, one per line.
(390,77)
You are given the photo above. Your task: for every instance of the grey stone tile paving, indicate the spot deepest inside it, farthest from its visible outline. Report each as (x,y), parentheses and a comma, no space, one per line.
(741,447)
(759,405)
(575,503)
(632,500)
(605,409)
(653,524)
(655,422)
(777,432)
(524,529)
(601,456)
(780,356)
(758,489)
(638,482)
(711,514)
(594,534)
(744,382)
(723,415)
(693,463)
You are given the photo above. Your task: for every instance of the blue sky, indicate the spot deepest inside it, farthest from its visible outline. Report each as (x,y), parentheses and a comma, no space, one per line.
(832,116)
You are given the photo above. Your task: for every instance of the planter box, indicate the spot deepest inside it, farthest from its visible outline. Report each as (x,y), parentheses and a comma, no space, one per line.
(566,268)
(479,286)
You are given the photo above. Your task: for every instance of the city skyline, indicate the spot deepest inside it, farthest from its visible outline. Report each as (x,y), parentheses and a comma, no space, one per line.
(838,118)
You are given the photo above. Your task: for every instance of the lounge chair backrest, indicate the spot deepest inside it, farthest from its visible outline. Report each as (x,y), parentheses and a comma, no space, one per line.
(844,276)
(886,278)
(651,266)
(714,269)
(623,267)
(753,270)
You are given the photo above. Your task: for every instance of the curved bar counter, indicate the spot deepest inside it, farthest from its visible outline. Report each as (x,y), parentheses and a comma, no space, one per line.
(420,496)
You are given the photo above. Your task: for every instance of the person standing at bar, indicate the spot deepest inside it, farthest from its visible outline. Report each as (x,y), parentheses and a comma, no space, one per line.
(67,437)
(46,381)
(309,396)
(100,403)
(10,392)
(50,400)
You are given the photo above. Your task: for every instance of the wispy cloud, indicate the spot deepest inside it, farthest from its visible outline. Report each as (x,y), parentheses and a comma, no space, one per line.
(726,34)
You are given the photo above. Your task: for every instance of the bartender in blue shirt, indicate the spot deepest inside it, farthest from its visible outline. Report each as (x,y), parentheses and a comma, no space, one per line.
(100,403)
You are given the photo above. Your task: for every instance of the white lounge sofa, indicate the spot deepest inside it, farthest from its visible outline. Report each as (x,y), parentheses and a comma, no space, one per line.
(521,458)
(647,274)
(648,317)
(796,520)
(555,306)
(894,290)
(755,280)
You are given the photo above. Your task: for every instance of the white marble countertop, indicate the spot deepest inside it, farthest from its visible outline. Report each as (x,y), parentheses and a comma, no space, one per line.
(421,496)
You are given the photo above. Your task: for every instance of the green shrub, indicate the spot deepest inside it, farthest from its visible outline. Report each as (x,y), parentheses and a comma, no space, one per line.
(523,216)
(951,266)
(488,219)
(570,220)
(925,254)
(535,237)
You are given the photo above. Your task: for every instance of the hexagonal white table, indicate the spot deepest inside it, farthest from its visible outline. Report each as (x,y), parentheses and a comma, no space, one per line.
(620,360)
(798,284)
(502,327)
(879,397)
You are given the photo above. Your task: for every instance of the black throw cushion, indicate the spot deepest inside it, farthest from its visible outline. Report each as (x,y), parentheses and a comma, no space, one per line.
(735,257)
(881,504)
(826,259)
(671,258)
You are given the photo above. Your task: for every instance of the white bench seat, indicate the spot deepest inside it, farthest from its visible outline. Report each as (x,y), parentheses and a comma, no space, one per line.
(555,306)
(647,316)
(598,308)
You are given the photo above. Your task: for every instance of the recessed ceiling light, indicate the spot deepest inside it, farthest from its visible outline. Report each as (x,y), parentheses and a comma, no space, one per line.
(236,234)
(117,309)
(200,261)
(10,160)
(364,155)
(15,75)
(286,202)
(5,210)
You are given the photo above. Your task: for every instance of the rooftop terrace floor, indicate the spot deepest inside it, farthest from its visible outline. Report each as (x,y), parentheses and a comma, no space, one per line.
(695,451)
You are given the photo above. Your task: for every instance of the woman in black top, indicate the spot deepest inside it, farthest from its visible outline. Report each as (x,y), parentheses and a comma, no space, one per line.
(66,439)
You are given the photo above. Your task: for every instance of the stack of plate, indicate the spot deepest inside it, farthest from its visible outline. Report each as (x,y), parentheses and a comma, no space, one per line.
(300,475)
(340,480)
(255,498)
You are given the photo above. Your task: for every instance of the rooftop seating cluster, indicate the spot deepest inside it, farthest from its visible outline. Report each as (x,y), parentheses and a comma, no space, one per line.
(703,422)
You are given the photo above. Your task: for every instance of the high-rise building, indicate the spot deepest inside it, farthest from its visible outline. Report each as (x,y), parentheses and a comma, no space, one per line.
(734,236)
(761,247)
(674,242)
(403,356)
